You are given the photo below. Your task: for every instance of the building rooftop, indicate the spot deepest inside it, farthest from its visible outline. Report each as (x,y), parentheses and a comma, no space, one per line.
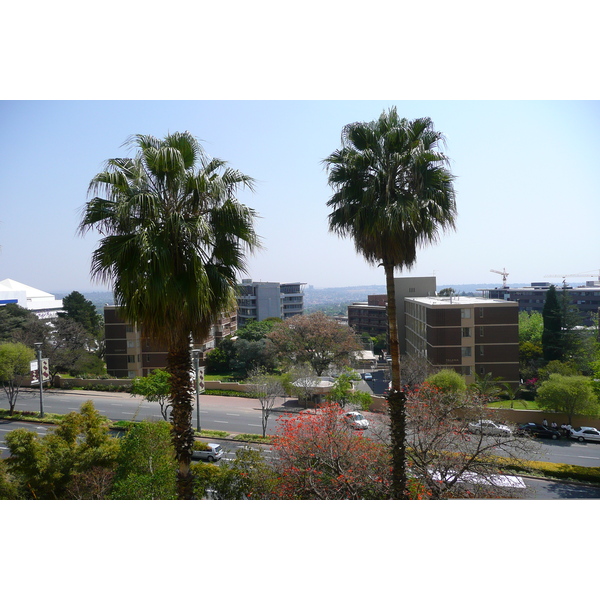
(460,301)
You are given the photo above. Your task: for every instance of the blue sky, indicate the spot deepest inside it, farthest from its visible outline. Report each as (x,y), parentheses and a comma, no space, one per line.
(527,185)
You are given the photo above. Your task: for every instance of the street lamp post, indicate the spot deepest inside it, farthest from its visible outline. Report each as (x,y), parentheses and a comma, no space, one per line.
(38,347)
(196,355)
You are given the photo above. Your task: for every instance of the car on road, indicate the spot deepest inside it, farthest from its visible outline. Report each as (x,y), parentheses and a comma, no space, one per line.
(368,377)
(487,427)
(210,452)
(585,434)
(536,430)
(356,420)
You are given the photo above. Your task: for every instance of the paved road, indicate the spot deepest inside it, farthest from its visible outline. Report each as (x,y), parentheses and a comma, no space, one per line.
(243,415)
(237,415)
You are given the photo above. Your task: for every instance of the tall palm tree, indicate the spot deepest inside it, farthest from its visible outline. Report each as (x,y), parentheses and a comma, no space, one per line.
(393,192)
(175,238)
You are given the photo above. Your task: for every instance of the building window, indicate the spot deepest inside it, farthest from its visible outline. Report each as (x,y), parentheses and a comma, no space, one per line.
(130,358)
(466,351)
(481,331)
(465,313)
(466,332)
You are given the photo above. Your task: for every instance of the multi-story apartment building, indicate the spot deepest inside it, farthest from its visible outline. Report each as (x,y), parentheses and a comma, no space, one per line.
(474,336)
(128,353)
(259,300)
(369,317)
(586,298)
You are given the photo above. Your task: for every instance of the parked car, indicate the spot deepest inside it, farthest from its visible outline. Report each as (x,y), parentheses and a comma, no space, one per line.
(538,431)
(356,420)
(487,427)
(210,452)
(368,377)
(588,434)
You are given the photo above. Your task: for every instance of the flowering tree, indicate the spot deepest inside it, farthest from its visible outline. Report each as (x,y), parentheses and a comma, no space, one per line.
(448,459)
(314,339)
(321,458)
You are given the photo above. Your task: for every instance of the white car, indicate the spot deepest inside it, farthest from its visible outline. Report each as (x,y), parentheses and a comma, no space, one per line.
(588,434)
(356,420)
(368,377)
(487,427)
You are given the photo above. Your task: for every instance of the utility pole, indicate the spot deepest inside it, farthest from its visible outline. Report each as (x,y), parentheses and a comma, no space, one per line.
(38,347)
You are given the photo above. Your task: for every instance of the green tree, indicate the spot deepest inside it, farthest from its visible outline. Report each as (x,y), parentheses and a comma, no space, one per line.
(174,243)
(247,477)
(15,320)
(257,330)
(15,361)
(393,192)
(155,387)
(569,394)
(447,292)
(83,311)
(342,387)
(448,381)
(147,468)
(9,489)
(486,385)
(552,333)
(314,339)
(531,327)
(45,467)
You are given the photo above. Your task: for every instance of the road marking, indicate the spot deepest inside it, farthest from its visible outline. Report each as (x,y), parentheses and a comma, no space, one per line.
(116,405)
(126,413)
(221,421)
(232,415)
(253,425)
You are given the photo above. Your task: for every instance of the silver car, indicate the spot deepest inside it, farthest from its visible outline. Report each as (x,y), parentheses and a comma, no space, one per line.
(585,434)
(487,427)
(209,452)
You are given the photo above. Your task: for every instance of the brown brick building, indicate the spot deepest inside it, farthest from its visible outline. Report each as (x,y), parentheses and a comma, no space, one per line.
(474,336)
(369,317)
(129,354)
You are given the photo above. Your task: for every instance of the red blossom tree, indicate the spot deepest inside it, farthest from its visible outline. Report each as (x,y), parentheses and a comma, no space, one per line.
(320,457)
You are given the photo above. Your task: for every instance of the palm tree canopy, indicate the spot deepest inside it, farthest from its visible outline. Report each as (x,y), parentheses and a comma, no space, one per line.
(393,190)
(175,236)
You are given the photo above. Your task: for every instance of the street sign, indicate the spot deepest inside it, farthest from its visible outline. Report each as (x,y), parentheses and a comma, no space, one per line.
(35,376)
(201,386)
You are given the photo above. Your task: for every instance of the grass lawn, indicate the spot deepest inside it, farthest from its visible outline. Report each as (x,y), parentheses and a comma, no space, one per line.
(223,378)
(516,404)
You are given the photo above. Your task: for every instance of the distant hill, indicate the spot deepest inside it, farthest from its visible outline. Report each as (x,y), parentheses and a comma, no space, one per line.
(323,296)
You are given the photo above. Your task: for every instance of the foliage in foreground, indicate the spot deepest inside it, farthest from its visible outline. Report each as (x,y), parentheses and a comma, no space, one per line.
(146,464)
(69,463)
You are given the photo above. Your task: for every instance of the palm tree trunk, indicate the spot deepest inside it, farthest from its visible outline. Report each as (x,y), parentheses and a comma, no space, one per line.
(396,398)
(179,365)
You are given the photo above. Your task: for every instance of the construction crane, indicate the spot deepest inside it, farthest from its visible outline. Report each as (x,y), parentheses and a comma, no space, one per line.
(504,276)
(564,277)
